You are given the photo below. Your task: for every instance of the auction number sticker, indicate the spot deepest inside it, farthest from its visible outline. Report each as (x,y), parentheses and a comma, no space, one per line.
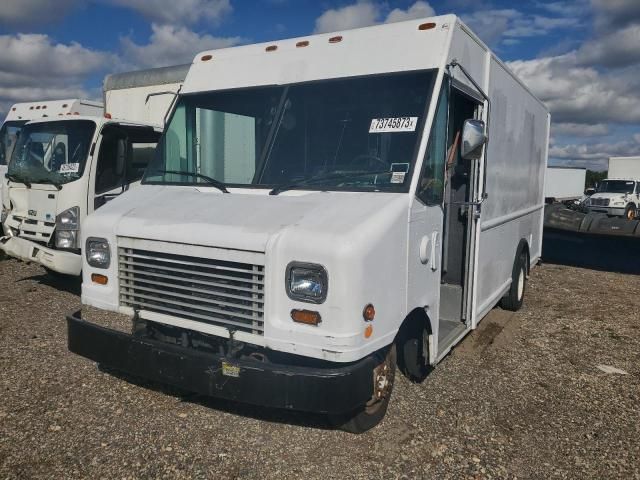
(69,168)
(396,124)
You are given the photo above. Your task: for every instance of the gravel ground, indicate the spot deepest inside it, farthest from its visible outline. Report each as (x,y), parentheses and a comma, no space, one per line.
(521,397)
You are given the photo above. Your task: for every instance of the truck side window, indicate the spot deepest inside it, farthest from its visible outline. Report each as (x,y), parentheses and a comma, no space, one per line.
(141,154)
(431,186)
(107,175)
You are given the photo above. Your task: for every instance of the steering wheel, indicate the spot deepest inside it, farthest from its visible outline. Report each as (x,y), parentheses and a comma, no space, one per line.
(369,158)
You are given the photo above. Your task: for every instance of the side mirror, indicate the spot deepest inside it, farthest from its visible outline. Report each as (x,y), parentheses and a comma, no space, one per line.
(121,156)
(589,191)
(473,139)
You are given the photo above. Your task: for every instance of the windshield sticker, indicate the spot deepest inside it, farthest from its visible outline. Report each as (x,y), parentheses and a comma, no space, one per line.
(397,124)
(397,177)
(69,168)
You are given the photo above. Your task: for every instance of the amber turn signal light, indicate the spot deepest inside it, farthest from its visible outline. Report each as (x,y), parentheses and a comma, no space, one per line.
(369,313)
(306,316)
(99,279)
(427,26)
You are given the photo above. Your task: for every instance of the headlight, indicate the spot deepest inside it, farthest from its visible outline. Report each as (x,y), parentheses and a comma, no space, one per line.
(69,219)
(67,239)
(98,252)
(306,282)
(618,203)
(67,226)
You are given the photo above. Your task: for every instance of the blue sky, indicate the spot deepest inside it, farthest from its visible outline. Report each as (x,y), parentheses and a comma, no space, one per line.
(579,56)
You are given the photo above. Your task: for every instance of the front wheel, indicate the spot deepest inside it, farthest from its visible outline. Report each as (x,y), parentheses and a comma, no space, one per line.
(630,212)
(372,413)
(513,299)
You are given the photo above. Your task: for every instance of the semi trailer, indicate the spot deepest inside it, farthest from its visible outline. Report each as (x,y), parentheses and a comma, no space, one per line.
(64,167)
(320,210)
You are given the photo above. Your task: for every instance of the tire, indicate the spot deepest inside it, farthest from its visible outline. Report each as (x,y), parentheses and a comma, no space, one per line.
(412,354)
(512,301)
(371,414)
(630,212)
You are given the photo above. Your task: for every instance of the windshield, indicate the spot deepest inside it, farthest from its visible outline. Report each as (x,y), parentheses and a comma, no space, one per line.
(9,134)
(51,152)
(616,186)
(355,134)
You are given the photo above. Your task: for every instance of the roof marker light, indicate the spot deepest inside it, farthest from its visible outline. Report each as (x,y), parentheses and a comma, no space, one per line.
(271,48)
(336,39)
(427,26)
(76,113)
(304,43)
(64,105)
(206,58)
(13,109)
(44,106)
(38,107)
(107,115)
(31,107)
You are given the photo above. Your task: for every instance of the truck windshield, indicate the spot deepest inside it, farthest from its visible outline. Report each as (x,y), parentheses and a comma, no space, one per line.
(9,134)
(350,134)
(51,152)
(616,186)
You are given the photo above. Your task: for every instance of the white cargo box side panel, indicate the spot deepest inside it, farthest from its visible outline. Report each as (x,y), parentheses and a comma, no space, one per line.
(135,105)
(624,167)
(516,165)
(564,183)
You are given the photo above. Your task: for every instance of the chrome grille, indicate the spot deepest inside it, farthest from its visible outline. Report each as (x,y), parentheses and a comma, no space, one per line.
(599,202)
(216,292)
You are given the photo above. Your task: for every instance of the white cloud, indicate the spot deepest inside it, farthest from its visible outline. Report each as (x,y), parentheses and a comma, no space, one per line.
(618,48)
(578,94)
(365,13)
(420,9)
(593,155)
(580,130)
(361,14)
(36,68)
(178,12)
(170,45)
(34,12)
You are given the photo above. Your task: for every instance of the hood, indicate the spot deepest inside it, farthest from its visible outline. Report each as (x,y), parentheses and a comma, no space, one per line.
(610,195)
(36,203)
(243,221)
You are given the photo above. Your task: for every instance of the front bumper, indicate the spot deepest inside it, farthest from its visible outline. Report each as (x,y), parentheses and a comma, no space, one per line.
(68,263)
(331,389)
(613,211)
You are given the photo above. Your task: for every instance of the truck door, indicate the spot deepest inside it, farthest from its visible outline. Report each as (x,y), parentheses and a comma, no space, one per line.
(124,154)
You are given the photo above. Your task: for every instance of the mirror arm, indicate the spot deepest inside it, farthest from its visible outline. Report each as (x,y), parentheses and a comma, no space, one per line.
(454,63)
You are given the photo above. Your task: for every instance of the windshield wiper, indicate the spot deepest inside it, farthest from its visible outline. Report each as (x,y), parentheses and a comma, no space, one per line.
(321,177)
(15,179)
(212,181)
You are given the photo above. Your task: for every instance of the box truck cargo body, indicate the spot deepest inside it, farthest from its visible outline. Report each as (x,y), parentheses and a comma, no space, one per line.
(320,210)
(564,183)
(624,167)
(65,167)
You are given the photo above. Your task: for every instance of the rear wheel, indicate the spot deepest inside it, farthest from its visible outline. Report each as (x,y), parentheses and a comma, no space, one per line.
(513,299)
(374,410)
(630,213)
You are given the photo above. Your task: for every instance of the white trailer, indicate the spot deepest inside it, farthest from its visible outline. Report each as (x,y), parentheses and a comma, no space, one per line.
(564,183)
(21,113)
(65,167)
(319,209)
(619,194)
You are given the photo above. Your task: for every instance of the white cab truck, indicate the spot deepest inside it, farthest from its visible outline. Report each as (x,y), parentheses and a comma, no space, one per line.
(65,167)
(320,209)
(21,113)
(564,183)
(619,194)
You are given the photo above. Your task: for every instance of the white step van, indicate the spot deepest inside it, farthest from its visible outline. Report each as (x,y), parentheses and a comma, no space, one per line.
(65,167)
(21,113)
(321,209)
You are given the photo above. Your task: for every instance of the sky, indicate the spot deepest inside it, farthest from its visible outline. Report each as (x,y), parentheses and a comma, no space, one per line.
(581,57)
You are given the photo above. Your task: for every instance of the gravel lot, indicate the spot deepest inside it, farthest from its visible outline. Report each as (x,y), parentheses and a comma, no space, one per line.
(521,397)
